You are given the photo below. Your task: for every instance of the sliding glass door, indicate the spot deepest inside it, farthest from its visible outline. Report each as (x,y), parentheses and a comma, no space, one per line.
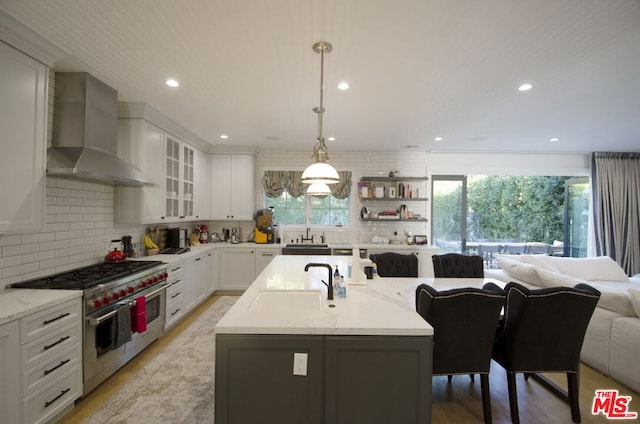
(449,213)
(576,217)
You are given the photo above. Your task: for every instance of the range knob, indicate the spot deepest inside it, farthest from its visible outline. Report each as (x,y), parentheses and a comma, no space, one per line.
(130,289)
(122,293)
(105,300)
(164,275)
(143,283)
(97,303)
(155,279)
(115,296)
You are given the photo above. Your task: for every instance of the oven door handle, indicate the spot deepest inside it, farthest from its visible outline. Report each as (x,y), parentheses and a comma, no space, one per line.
(97,321)
(158,290)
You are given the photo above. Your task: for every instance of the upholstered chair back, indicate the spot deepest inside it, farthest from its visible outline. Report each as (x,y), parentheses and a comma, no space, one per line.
(393,264)
(455,265)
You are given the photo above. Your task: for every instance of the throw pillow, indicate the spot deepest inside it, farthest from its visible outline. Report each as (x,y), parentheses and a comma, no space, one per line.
(634,295)
(555,279)
(538,260)
(523,272)
(599,268)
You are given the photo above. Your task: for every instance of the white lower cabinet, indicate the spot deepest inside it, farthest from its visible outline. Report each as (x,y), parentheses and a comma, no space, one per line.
(263,257)
(213,280)
(51,361)
(175,294)
(191,281)
(10,372)
(237,270)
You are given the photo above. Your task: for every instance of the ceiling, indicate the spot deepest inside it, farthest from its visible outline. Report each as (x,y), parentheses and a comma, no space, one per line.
(417,69)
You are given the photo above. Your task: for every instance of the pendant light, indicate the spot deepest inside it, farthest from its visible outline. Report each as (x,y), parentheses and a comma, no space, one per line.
(320,172)
(318,190)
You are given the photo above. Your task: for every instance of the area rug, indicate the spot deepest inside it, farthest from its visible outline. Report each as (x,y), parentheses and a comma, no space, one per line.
(177,386)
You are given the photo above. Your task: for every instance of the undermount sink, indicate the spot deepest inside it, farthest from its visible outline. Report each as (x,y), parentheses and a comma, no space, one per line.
(287,300)
(306,249)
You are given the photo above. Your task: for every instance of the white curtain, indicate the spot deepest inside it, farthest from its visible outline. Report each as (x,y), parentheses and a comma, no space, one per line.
(616,207)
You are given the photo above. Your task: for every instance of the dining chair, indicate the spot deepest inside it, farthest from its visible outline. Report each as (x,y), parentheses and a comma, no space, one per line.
(488,252)
(514,249)
(537,249)
(391,264)
(464,322)
(456,265)
(543,331)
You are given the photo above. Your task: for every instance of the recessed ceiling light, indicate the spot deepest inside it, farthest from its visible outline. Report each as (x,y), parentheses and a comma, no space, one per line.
(438,139)
(172,83)
(554,139)
(525,87)
(343,85)
(331,139)
(224,136)
(411,146)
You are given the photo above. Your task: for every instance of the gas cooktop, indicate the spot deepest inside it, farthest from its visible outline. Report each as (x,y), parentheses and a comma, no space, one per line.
(88,276)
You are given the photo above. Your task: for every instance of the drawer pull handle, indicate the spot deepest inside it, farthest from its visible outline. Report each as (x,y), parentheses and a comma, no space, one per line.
(175,312)
(198,259)
(178,268)
(62,393)
(49,321)
(175,295)
(47,372)
(176,282)
(56,343)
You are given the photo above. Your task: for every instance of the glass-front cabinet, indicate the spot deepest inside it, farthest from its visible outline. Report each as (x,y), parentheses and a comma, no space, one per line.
(179,179)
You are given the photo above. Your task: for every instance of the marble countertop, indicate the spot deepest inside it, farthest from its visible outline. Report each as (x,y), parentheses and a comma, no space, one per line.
(17,303)
(370,308)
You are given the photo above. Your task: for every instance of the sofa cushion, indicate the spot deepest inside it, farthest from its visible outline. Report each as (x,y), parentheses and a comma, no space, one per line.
(601,268)
(555,279)
(521,271)
(634,296)
(539,261)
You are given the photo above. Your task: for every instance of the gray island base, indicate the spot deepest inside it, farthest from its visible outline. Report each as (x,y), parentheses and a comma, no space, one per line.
(285,355)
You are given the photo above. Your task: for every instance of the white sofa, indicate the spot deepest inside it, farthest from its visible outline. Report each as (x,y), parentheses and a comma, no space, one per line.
(612,341)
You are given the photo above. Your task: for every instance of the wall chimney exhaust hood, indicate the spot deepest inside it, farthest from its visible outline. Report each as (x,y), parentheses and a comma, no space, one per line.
(85,131)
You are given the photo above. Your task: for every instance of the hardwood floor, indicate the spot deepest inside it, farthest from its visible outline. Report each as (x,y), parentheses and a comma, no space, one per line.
(459,402)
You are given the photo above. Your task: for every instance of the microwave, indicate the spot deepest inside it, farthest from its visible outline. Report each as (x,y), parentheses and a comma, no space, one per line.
(177,237)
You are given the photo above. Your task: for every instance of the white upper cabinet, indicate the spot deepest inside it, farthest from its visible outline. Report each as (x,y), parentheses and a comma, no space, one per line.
(202,185)
(232,187)
(179,170)
(142,144)
(23,118)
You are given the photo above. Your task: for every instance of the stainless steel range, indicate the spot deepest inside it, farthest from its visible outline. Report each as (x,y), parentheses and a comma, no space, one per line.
(124,308)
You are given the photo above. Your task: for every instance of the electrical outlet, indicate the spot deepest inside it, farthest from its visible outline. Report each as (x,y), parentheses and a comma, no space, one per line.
(300,363)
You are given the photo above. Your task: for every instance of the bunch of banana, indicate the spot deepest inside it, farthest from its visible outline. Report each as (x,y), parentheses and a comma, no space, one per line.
(148,242)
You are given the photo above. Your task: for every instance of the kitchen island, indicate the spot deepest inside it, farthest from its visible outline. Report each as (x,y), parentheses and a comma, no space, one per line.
(286,354)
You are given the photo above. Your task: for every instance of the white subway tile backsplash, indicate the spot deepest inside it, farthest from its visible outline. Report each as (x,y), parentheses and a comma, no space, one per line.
(39,256)
(72,184)
(53,263)
(38,237)
(53,245)
(10,240)
(68,235)
(20,249)
(12,271)
(11,261)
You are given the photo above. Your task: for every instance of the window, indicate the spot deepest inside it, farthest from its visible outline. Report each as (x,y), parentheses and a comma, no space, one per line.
(309,210)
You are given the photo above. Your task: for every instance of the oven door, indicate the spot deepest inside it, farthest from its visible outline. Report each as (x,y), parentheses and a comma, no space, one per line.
(101,357)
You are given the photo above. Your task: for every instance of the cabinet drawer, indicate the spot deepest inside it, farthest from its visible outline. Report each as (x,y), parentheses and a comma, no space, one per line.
(51,369)
(42,405)
(174,290)
(175,270)
(175,311)
(45,347)
(50,319)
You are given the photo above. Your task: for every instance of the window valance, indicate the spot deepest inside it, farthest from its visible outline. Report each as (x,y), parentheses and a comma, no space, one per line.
(276,182)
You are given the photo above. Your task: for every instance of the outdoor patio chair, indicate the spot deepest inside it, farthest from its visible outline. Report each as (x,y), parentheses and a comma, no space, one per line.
(488,253)
(514,249)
